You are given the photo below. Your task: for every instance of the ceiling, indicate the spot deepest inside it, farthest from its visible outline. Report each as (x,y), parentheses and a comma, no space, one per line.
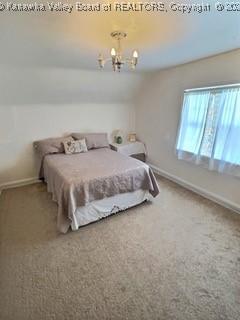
(74,40)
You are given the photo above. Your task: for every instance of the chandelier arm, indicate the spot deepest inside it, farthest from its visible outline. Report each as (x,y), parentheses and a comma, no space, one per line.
(119,49)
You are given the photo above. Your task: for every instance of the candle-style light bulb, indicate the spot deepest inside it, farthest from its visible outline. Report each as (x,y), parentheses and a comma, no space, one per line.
(113,52)
(135,54)
(135,59)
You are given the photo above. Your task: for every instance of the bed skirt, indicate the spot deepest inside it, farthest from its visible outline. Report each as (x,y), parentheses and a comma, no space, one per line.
(99,209)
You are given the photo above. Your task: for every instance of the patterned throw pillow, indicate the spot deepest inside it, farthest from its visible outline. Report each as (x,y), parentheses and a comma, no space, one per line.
(76,146)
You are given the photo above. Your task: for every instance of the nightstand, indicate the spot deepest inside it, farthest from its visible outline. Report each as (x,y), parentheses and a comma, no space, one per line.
(135,149)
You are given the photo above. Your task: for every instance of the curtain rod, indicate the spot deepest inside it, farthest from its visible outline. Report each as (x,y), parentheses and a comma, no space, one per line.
(234,85)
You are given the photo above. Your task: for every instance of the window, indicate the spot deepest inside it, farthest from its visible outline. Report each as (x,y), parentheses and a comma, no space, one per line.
(209,130)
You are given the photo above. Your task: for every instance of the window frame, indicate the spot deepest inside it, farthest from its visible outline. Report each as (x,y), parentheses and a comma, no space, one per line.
(213,90)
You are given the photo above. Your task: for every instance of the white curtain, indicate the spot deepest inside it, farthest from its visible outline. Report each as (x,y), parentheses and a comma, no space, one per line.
(209,130)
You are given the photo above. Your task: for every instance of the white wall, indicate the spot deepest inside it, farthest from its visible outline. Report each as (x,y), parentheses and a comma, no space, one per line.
(21,125)
(42,103)
(158,109)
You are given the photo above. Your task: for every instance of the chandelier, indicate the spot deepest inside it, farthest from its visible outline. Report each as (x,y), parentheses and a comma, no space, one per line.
(118,60)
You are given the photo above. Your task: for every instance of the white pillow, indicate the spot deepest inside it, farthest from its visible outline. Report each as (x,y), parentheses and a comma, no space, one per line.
(76,146)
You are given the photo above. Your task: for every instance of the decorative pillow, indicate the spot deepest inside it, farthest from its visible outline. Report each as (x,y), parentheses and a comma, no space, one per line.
(93,140)
(51,145)
(77,146)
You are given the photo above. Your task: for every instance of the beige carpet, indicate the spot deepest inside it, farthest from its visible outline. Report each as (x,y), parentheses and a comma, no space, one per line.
(177,258)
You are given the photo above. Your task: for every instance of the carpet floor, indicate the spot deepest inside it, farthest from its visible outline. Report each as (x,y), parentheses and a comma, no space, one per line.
(175,258)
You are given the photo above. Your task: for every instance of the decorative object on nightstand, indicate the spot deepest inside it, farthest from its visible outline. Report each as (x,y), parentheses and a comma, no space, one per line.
(135,149)
(132,137)
(118,137)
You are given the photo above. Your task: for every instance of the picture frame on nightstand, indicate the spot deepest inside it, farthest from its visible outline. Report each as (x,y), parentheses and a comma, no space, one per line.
(132,137)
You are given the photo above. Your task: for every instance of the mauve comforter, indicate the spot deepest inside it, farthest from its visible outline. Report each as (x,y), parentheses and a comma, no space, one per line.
(78,179)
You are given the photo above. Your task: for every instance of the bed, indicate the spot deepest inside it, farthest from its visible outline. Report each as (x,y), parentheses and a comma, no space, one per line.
(92,185)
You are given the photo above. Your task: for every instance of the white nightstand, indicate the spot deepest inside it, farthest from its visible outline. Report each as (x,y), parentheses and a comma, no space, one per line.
(134,149)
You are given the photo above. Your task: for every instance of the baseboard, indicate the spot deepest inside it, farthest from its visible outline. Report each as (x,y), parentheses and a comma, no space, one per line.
(206,194)
(18,183)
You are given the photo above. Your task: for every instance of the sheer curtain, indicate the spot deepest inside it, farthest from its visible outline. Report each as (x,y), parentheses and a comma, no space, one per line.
(209,130)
